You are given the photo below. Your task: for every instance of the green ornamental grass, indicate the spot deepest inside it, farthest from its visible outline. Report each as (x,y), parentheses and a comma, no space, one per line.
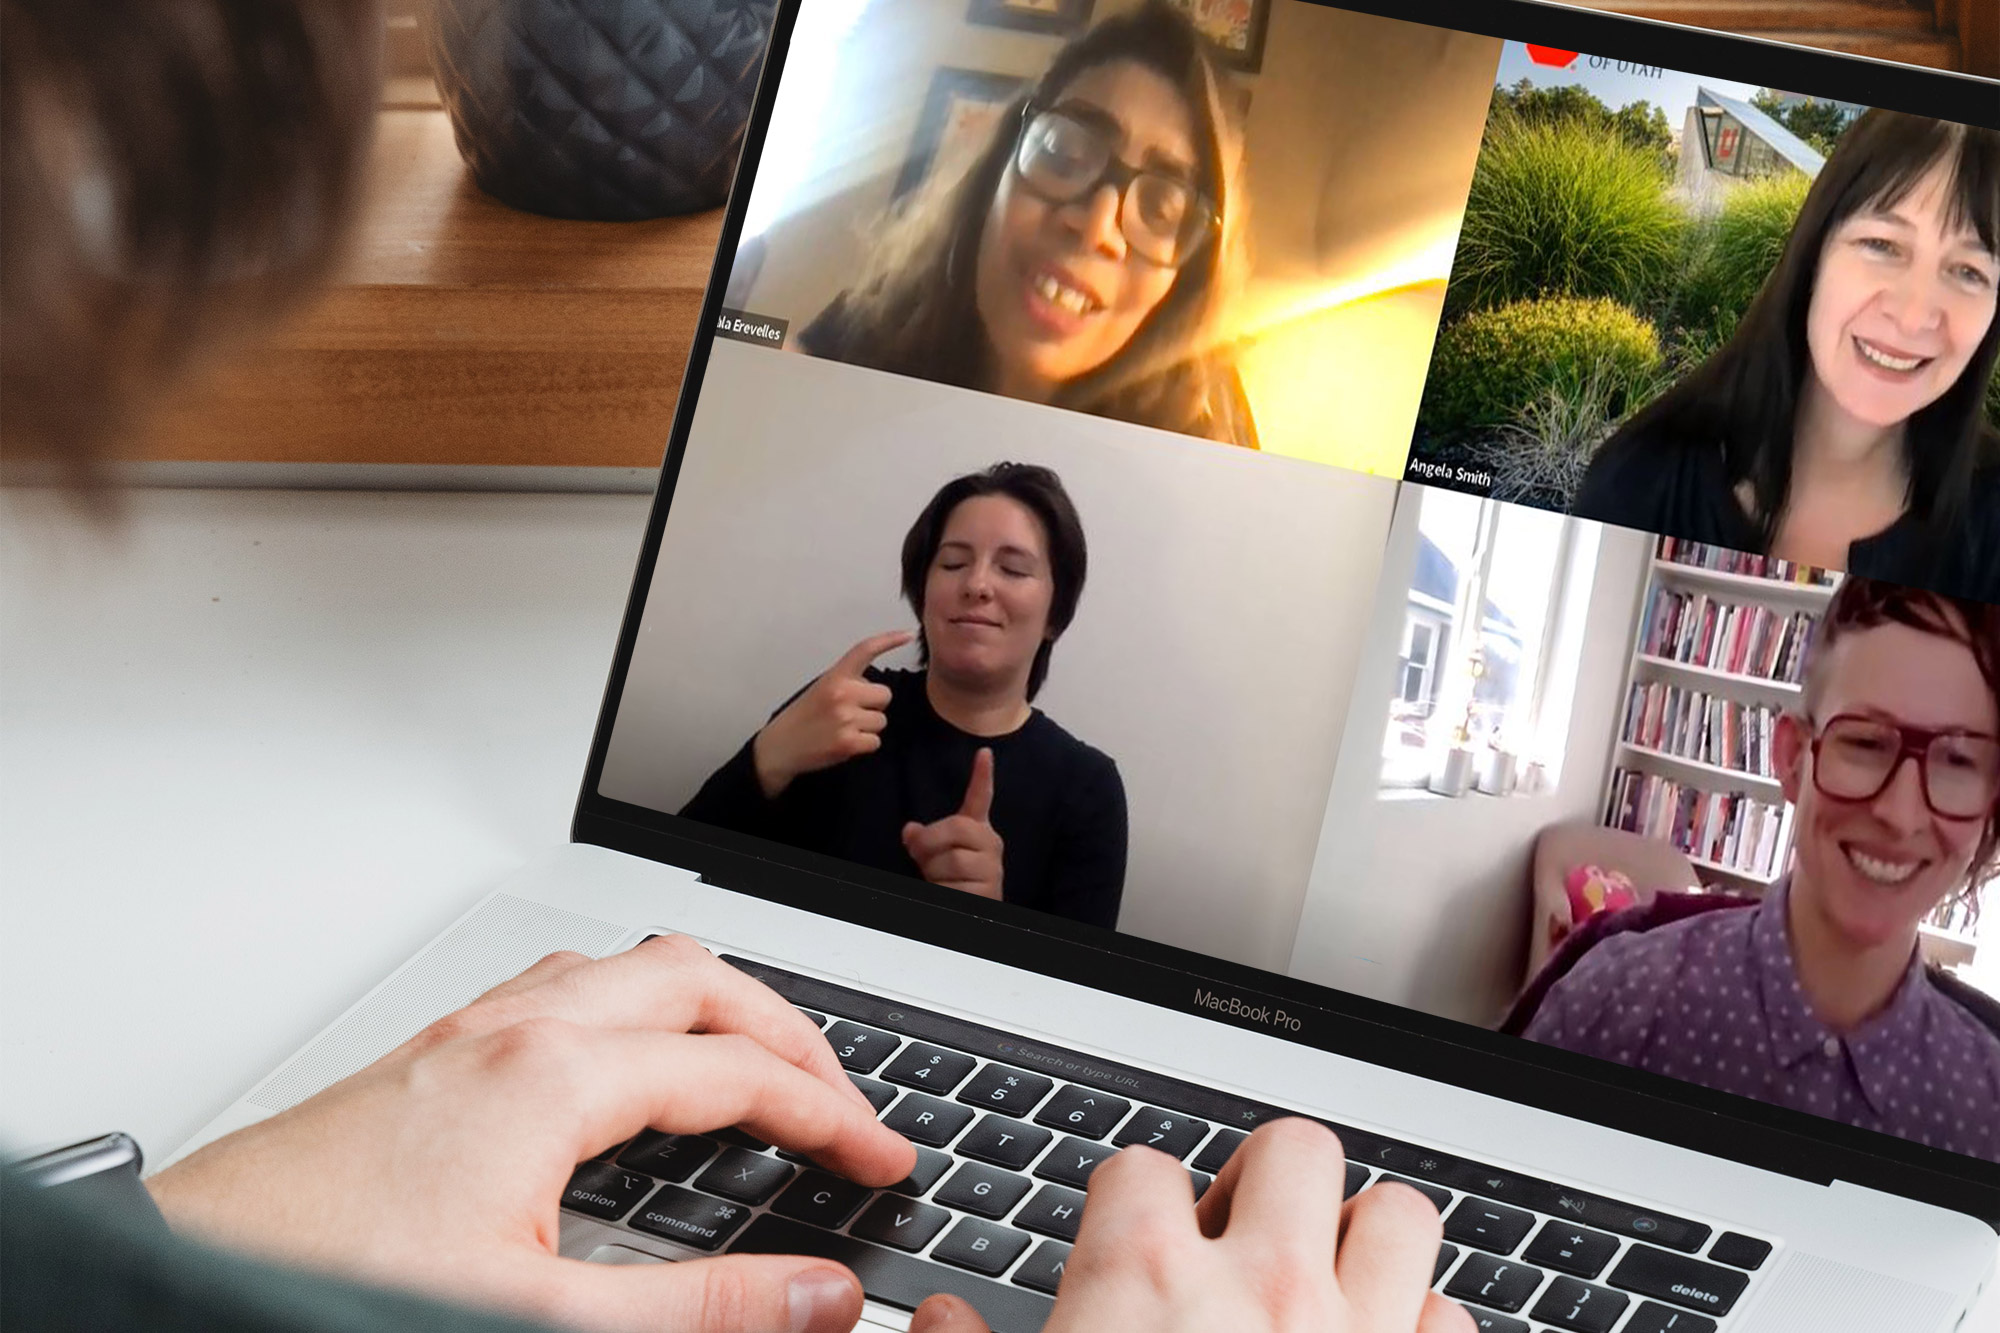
(1557,209)
(1732,254)
(1493,365)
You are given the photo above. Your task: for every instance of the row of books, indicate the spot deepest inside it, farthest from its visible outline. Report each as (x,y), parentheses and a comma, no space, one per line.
(1695,724)
(1959,915)
(1680,551)
(1744,639)
(1725,828)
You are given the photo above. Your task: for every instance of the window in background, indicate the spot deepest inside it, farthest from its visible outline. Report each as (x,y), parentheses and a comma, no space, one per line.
(1491,585)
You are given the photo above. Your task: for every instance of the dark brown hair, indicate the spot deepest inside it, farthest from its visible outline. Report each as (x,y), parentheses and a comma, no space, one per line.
(174,171)
(1746,395)
(913,311)
(1863,604)
(1040,491)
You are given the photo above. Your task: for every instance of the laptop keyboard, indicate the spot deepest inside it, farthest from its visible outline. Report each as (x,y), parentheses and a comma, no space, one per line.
(1008,1131)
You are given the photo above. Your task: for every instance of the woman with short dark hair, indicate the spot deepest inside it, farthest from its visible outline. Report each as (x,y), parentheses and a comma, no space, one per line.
(1843,425)
(947,771)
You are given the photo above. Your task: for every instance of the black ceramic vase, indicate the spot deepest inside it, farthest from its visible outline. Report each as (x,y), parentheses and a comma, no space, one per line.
(610,109)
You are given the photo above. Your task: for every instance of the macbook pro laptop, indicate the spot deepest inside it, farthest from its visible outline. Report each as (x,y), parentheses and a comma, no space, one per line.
(1336,726)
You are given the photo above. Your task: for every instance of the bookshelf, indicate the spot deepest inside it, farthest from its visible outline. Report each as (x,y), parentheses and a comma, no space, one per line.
(1716,657)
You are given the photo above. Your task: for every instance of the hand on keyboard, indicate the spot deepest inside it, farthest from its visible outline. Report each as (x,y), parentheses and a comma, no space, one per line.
(1269,1247)
(439,1167)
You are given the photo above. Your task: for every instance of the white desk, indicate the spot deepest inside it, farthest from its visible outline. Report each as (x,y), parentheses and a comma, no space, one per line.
(255,749)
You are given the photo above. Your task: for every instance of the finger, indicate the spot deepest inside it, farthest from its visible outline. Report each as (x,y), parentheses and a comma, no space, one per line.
(733,1294)
(1279,1192)
(671,984)
(947,1314)
(606,1085)
(866,719)
(1444,1315)
(856,659)
(544,970)
(978,803)
(866,694)
(1388,1248)
(1136,1200)
(958,868)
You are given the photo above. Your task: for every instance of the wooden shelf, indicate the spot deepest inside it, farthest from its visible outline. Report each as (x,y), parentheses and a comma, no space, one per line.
(1946,947)
(1747,876)
(1732,778)
(461,331)
(1805,594)
(1713,673)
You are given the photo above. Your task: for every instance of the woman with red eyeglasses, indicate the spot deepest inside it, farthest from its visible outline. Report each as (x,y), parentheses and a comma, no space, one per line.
(1086,255)
(1817,998)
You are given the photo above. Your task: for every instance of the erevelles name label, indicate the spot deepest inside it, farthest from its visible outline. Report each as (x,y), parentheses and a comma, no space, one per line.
(744,327)
(1254,1013)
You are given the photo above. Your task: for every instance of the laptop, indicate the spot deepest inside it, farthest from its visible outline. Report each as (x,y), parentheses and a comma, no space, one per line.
(1329,746)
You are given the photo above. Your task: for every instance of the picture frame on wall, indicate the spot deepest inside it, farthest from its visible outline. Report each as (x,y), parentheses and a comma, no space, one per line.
(960,110)
(1047,16)
(1235,29)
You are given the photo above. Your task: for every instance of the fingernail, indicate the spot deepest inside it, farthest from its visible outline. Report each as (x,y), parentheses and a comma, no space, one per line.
(823,1301)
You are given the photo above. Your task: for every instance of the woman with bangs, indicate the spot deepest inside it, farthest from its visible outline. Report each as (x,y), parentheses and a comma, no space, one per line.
(1084,258)
(1843,425)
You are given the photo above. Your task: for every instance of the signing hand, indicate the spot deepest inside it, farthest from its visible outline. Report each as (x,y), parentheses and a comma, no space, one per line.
(962,851)
(441,1166)
(839,716)
(1269,1248)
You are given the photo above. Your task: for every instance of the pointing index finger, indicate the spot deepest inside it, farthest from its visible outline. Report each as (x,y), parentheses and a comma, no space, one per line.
(856,659)
(979,791)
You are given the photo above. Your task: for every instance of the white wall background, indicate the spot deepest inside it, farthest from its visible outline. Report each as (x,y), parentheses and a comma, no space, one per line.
(1212,655)
(1423,900)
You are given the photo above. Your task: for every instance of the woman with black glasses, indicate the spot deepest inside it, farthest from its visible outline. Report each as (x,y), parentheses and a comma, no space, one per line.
(1085,255)
(1818,997)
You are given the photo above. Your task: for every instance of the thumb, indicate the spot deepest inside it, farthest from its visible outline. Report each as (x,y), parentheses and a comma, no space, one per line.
(946,1314)
(979,792)
(738,1293)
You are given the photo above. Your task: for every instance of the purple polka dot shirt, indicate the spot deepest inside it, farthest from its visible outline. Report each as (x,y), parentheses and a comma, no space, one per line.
(1714,999)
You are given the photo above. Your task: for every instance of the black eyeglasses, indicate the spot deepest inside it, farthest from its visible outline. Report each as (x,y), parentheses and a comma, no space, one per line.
(1165,220)
(1856,757)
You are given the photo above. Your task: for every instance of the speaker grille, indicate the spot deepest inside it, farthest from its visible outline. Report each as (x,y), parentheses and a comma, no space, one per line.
(1815,1295)
(496,942)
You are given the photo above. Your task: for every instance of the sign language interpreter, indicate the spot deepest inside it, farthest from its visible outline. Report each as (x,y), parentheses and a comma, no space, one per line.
(896,769)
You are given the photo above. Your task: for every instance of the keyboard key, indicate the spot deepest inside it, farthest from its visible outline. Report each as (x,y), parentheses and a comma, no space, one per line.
(1004,1142)
(1439,1197)
(1013,1091)
(1488,1226)
(1487,1321)
(1740,1251)
(604,1190)
(924,1119)
(898,1279)
(931,1068)
(823,1199)
(1357,1178)
(1169,1131)
(1679,1280)
(982,1189)
(903,1223)
(611,1154)
(1084,1112)
(1071,1161)
(1655,1318)
(690,1218)
(1580,1307)
(1447,1256)
(1044,1268)
(860,1049)
(980,1246)
(878,1093)
(748,1177)
(1054,1211)
(931,1164)
(1495,1283)
(1202,1180)
(667,1156)
(741,1140)
(818,1020)
(1578,1251)
(1223,1146)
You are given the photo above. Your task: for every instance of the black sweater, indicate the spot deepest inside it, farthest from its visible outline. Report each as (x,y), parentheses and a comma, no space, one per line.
(1683,489)
(1058,804)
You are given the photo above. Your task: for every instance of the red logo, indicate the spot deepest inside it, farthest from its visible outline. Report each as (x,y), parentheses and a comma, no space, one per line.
(1548,55)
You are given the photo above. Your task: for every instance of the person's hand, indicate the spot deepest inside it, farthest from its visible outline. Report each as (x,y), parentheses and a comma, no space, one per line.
(962,851)
(441,1167)
(1270,1248)
(840,715)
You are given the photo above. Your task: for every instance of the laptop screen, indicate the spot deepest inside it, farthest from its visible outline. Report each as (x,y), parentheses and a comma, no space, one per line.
(1499,530)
